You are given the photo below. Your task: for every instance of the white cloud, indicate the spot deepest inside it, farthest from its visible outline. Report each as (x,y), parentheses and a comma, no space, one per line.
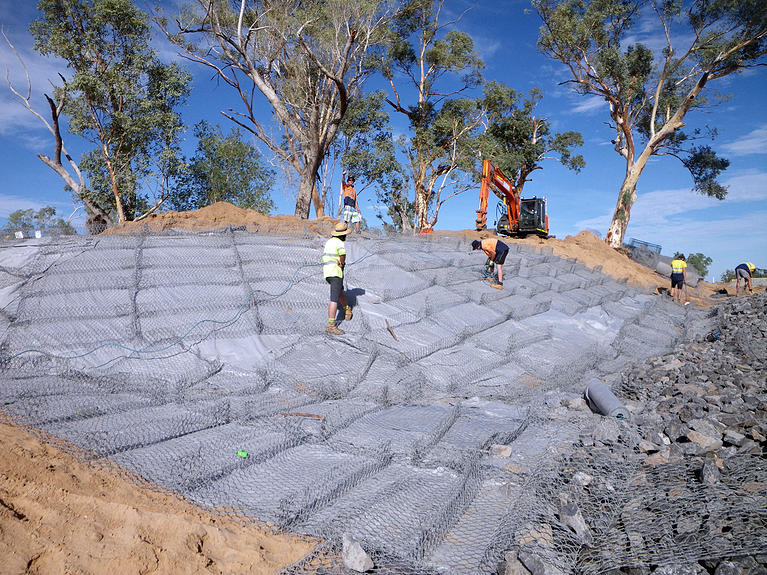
(755,142)
(10,203)
(683,220)
(589,105)
(14,118)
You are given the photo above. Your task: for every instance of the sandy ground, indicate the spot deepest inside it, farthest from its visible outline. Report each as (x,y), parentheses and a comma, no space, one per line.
(60,515)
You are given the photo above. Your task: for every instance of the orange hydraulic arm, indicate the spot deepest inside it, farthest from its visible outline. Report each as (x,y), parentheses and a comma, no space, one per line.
(493,178)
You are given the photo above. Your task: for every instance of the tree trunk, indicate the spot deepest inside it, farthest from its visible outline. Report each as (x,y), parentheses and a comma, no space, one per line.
(421,208)
(304,199)
(319,203)
(626,198)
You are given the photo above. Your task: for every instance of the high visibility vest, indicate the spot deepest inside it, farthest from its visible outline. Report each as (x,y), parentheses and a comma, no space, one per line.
(678,266)
(331,258)
(350,196)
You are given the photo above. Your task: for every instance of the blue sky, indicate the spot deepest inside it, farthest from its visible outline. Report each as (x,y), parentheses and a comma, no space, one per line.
(667,211)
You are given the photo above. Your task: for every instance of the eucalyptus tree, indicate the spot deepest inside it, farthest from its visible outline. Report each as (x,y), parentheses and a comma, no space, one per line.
(306,59)
(224,168)
(429,66)
(649,94)
(519,140)
(119,97)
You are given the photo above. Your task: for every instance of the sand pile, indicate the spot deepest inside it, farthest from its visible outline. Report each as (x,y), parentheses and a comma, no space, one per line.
(222,214)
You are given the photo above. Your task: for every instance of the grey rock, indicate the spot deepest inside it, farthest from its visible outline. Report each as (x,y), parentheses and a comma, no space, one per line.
(536,565)
(354,555)
(570,515)
(681,569)
(707,427)
(710,473)
(511,565)
(734,438)
(676,430)
(728,568)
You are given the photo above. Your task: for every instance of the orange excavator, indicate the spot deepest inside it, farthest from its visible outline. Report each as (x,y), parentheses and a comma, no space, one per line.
(516,217)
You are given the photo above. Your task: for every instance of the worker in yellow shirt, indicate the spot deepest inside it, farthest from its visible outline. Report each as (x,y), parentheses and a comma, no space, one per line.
(333,262)
(678,276)
(744,272)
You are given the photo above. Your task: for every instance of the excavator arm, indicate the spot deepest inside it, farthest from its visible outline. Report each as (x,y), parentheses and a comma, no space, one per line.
(493,179)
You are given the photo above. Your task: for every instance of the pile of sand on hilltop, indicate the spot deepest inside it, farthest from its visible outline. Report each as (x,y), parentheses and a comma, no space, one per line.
(222,214)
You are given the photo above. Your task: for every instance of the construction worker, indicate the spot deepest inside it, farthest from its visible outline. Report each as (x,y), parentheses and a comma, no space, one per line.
(496,252)
(678,276)
(333,262)
(349,211)
(744,272)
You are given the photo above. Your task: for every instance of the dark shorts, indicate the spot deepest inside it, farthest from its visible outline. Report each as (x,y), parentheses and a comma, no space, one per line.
(336,287)
(677,280)
(500,254)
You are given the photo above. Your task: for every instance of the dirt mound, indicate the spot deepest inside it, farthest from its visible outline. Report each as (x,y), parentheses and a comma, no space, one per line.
(59,515)
(222,214)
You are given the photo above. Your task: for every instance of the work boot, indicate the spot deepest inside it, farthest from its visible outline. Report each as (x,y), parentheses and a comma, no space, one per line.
(497,285)
(333,330)
(348,313)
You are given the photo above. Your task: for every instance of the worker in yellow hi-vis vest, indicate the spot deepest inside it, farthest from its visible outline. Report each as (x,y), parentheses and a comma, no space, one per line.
(678,276)
(333,262)
(744,272)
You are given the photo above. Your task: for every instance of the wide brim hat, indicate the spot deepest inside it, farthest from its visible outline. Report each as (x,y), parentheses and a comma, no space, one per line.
(341,229)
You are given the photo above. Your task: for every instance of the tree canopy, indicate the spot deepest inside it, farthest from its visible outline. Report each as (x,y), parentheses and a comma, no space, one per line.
(429,65)
(28,221)
(649,94)
(225,168)
(119,97)
(518,140)
(306,59)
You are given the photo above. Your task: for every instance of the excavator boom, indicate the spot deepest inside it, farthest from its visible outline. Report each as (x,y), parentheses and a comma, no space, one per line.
(521,217)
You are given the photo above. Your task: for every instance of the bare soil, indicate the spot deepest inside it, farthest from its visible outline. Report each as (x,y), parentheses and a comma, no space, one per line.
(59,514)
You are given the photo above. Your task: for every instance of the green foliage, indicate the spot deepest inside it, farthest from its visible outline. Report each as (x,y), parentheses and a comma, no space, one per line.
(700,262)
(727,276)
(433,69)
(27,221)
(225,168)
(705,167)
(120,97)
(517,141)
(309,59)
(650,94)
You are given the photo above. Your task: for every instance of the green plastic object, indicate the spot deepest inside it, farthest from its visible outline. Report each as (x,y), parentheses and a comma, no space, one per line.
(242,453)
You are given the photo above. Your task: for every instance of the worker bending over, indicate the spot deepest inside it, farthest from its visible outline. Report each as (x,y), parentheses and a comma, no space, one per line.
(350,210)
(678,276)
(496,252)
(333,262)
(744,272)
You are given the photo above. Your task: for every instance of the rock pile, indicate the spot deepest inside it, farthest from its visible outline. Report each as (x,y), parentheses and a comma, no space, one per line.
(704,405)
(707,397)
(681,488)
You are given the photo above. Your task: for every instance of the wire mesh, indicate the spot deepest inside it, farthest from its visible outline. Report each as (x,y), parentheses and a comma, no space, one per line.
(200,362)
